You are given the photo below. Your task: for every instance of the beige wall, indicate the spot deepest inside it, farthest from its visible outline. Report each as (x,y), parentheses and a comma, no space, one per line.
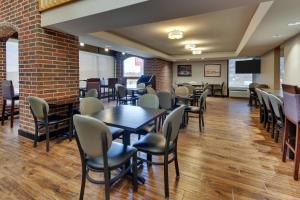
(292,61)
(270,69)
(198,73)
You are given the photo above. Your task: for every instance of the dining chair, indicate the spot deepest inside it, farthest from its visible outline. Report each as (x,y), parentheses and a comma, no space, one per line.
(111,88)
(278,114)
(92,93)
(166,100)
(42,120)
(252,94)
(142,88)
(268,116)
(8,94)
(121,93)
(261,105)
(182,95)
(291,99)
(219,89)
(91,106)
(198,110)
(99,153)
(150,90)
(163,144)
(94,83)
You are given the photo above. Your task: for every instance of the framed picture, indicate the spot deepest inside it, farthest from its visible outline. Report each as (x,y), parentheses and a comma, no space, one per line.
(212,70)
(184,70)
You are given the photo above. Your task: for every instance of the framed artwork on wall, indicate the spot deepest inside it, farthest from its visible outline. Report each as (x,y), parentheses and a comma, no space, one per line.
(184,70)
(212,70)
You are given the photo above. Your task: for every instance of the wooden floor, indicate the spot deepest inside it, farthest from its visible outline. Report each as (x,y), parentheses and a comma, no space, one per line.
(234,158)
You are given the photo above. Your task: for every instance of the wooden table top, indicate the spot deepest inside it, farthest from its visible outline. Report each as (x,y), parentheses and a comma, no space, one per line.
(127,117)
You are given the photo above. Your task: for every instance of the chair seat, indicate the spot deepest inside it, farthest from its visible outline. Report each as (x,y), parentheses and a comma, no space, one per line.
(149,127)
(153,143)
(117,155)
(116,132)
(193,109)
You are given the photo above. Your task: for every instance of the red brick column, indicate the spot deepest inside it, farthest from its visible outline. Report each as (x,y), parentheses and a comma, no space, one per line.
(48,60)
(2,65)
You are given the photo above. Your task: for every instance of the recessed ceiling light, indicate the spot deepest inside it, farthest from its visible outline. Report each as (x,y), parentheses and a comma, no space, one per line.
(189,46)
(196,51)
(123,53)
(107,48)
(187,59)
(294,23)
(276,36)
(81,44)
(175,35)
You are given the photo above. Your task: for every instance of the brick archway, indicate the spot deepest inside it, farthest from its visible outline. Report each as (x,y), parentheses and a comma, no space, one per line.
(7,29)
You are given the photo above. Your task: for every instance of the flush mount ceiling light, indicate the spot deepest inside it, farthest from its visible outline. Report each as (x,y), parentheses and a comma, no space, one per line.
(276,36)
(107,48)
(294,23)
(196,51)
(175,35)
(82,44)
(189,46)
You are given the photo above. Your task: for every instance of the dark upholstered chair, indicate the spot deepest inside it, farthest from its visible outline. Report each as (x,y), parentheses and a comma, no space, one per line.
(166,100)
(261,105)
(268,112)
(92,93)
(278,115)
(198,110)
(121,93)
(99,154)
(8,94)
(219,89)
(253,95)
(291,96)
(94,83)
(91,106)
(42,120)
(164,144)
(112,88)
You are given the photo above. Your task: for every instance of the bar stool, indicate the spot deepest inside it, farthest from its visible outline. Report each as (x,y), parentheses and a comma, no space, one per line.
(291,96)
(9,94)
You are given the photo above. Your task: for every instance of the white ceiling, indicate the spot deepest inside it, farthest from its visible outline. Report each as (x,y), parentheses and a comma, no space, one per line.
(222,28)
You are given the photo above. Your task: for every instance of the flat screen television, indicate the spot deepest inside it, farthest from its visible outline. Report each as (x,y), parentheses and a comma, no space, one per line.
(247,67)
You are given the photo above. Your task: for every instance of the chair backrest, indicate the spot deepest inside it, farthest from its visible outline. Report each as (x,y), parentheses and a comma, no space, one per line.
(92,93)
(202,99)
(166,100)
(265,97)
(121,91)
(262,86)
(90,105)
(190,88)
(93,83)
(175,119)
(122,81)
(260,99)
(141,86)
(94,136)
(291,100)
(277,105)
(112,82)
(148,101)
(182,91)
(150,90)
(39,107)
(253,85)
(7,89)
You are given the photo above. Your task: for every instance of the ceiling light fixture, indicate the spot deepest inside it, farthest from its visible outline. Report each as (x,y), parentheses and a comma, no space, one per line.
(189,46)
(294,23)
(276,36)
(82,44)
(196,51)
(175,35)
(123,53)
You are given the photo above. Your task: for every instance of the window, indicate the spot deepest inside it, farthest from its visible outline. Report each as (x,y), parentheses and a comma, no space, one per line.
(133,68)
(238,80)
(281,69)
(12,62)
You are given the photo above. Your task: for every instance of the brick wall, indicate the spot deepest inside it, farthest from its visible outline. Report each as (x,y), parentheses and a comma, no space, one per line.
(2,63)
(48,60)
(162,69)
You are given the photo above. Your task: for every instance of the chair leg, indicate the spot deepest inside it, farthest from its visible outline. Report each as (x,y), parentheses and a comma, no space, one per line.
(12,111)
(176,163)
(3,111)
(149,159)
(36,134)
(277,135)
(273,129)
(166,177)
(83,180)
(285,139)
(107,184)
(200,122)
(47,137)
(134,171)
(297,153)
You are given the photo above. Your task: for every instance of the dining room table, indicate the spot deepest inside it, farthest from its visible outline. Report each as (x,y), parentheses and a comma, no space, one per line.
(129,118)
